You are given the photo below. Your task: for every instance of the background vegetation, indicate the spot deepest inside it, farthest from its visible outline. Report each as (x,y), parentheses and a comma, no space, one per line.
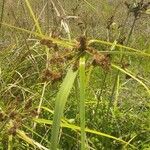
(74,74)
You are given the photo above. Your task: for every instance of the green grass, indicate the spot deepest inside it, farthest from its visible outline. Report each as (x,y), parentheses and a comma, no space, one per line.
(60,90)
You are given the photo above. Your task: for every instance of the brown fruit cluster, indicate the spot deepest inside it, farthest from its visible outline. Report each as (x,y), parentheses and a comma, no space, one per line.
(49,44)
(137,8)
(51,75)
(60,58)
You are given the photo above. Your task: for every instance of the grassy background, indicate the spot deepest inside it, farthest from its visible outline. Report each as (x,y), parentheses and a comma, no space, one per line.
(90,108)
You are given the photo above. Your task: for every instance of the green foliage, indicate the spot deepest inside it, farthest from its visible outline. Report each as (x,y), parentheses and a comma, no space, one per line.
(74,75)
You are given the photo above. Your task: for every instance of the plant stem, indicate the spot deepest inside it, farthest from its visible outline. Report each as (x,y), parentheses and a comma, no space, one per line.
(121,60)
(2,13)
(82,101)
